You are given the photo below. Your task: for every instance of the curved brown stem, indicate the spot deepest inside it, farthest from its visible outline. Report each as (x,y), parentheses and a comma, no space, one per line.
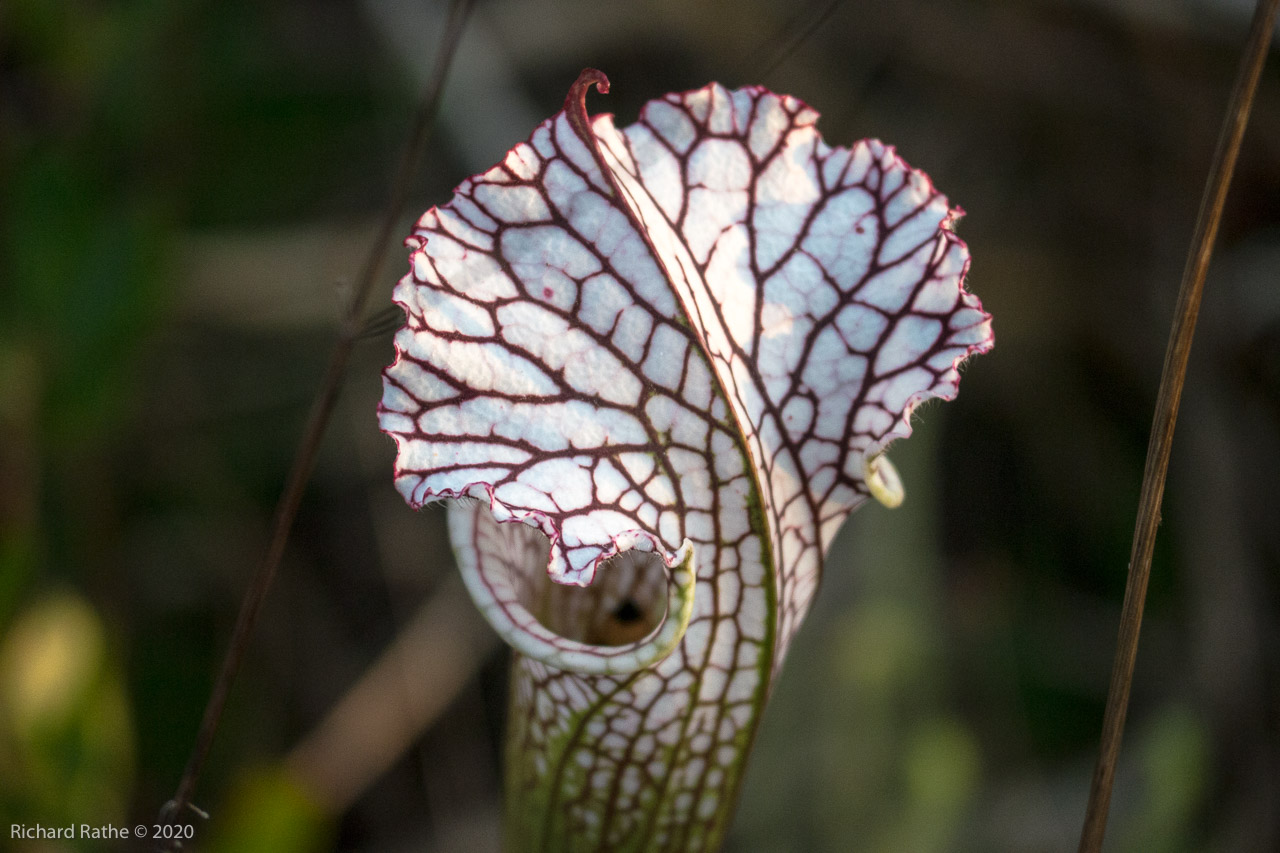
(1172,379)
(321,411)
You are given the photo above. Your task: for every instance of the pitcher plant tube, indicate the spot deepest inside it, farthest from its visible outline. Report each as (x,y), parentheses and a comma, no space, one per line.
(657,367)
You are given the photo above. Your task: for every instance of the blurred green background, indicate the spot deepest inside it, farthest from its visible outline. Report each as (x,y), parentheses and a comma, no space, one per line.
(187,190)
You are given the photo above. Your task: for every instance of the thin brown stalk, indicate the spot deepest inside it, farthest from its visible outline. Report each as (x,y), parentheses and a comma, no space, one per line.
(804,26)
(321,412)
(1172,380)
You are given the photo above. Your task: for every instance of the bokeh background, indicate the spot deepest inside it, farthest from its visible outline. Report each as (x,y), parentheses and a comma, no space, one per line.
(187,190)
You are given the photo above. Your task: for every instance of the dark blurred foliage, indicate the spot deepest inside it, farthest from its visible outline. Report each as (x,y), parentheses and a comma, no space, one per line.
(187,188)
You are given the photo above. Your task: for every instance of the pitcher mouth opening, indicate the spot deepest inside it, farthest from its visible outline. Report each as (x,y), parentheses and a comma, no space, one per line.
(632,615)
(625,603)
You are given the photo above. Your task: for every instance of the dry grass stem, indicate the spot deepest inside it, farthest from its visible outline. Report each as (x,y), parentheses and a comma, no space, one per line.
(321,412)
(1172,380)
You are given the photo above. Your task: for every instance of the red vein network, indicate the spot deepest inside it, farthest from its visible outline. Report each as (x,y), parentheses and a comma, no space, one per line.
(691,338)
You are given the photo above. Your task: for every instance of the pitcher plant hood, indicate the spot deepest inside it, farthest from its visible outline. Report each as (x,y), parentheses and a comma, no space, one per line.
(663,363)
